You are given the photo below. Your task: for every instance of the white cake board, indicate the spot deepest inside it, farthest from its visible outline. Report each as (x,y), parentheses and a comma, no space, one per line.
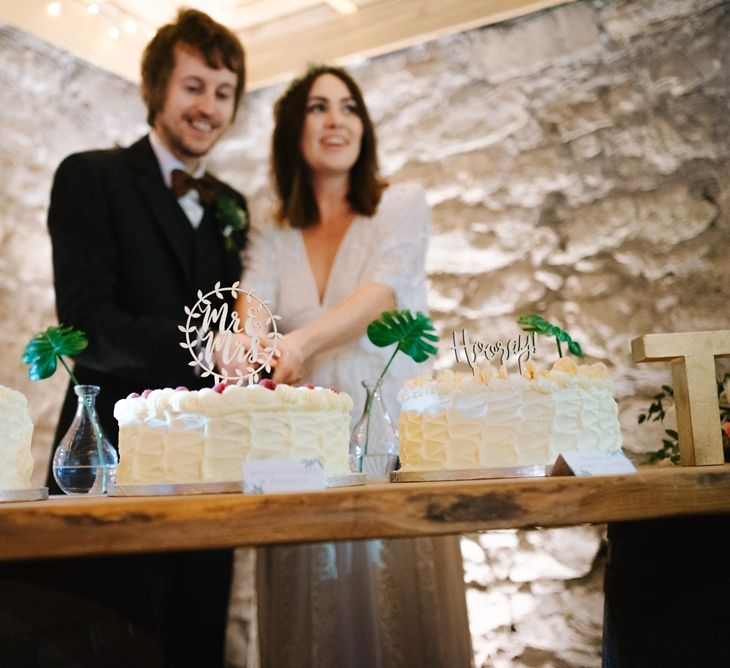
(346,480)
(165,489)
(233,487)
(471,474)
(38,494)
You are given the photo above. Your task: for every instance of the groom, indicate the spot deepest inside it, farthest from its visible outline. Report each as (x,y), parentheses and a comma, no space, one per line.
(133,242)
(137,232)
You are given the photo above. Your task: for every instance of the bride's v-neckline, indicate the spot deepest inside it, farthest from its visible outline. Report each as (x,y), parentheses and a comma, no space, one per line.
(322,300)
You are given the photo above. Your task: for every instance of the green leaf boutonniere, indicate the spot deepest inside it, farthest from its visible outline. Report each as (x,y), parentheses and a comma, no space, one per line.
(232,220)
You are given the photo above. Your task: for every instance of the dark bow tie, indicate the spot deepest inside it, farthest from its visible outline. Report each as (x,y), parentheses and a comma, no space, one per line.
(206,186)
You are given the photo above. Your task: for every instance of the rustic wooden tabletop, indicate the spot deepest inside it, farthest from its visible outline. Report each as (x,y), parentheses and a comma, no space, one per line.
(75,526)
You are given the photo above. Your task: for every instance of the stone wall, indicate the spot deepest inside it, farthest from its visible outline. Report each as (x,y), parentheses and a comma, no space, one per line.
(577,161)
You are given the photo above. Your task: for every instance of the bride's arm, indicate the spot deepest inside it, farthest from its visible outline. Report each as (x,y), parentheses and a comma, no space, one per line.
(343,323)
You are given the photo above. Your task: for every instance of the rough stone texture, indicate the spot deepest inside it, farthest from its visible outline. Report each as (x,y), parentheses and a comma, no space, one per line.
(577,161)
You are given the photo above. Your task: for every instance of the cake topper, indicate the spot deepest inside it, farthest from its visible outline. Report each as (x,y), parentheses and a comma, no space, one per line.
(523,348)
(216,328)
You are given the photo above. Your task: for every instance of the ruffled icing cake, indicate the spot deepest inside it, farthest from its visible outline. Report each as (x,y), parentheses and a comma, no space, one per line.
(495,419)
(16,432)
(181,436)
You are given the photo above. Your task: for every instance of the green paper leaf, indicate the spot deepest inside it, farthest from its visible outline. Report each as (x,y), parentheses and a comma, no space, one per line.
(538,324)
(45,349)
(411,332)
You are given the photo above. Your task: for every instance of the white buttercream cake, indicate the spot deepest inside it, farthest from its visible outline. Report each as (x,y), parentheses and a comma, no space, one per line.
(494,419)
(16,432)
(181,436)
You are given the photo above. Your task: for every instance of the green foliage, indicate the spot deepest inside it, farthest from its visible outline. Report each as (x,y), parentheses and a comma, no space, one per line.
(538,324)
(723,391)
(656,413)
(656,410)
(46,349)
(411,332)
(669,449)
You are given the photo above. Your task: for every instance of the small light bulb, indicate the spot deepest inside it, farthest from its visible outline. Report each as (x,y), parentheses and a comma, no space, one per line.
(130,26)
(343,6)
(93,8)
(54,9)
(113,32)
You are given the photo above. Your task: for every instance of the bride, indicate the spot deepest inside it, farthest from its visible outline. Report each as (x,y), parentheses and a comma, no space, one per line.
(345,246)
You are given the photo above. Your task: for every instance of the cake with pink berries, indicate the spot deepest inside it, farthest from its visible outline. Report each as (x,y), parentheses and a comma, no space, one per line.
(16,431)
(492,419)
(179,436)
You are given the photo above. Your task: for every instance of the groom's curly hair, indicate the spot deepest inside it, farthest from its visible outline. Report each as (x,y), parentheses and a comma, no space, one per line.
(215,43)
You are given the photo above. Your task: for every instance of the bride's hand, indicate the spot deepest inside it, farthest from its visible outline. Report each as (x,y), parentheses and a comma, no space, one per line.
(289,368)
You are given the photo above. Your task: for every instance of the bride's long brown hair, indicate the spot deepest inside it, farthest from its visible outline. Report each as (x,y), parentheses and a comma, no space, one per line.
(297,205)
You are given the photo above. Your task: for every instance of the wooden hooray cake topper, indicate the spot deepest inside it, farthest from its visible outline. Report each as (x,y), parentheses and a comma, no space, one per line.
(215,330)
(523,348)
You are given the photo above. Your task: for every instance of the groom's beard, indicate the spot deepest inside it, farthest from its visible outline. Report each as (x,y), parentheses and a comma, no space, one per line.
(186,141)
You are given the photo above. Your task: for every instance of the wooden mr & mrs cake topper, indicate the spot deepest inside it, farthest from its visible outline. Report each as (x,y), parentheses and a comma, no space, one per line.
(210,328)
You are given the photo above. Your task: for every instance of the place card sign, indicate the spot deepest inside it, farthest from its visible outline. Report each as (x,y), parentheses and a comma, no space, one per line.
(591,463)
(521,348)
(271,476)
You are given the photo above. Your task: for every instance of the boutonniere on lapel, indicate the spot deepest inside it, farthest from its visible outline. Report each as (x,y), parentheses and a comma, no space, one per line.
(232,220)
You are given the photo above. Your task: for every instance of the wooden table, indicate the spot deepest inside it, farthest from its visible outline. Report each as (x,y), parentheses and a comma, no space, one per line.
(75,526)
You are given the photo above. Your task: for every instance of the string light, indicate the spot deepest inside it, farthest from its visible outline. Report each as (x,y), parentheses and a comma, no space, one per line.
(343,6)
(117,17)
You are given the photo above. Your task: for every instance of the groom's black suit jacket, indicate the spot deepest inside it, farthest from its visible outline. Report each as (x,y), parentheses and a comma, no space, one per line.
(126,263)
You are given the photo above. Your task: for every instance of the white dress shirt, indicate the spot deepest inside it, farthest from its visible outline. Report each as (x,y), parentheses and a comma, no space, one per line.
(190,201)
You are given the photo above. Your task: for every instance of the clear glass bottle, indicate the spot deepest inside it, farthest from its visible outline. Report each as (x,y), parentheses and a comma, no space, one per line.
(374,439)
(85,461)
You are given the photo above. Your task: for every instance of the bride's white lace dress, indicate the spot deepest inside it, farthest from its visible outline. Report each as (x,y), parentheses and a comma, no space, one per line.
(389,603)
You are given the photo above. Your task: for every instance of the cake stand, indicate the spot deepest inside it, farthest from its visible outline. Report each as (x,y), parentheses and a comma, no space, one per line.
(531,471)
(231,487)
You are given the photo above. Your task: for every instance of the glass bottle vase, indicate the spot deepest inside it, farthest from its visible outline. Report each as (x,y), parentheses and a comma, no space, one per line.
(85,461)
(374,439)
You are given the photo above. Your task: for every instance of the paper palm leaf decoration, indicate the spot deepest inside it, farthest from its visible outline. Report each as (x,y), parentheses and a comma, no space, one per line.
(46,349)
(538,324)
(412,332)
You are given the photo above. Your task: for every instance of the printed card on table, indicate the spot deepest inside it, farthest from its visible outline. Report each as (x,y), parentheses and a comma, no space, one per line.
(592,462)
(271,476)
